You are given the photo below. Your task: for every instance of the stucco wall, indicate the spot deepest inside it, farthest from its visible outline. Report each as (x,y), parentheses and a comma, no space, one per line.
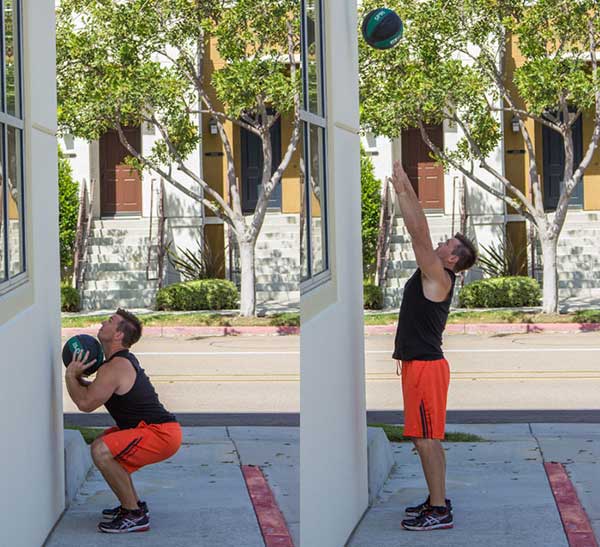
(333,449)
(31,462)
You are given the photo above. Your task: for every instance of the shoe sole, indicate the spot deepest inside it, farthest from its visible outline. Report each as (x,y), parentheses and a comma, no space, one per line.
(143,528)
(110,517)
(426,528)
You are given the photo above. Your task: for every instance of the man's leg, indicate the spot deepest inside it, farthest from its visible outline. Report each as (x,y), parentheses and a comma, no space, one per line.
(117,478)
(433,461)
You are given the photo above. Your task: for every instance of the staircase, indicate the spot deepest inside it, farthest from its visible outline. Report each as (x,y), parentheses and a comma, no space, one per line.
(278,259)
(117,258)
(578,258)
(402,262)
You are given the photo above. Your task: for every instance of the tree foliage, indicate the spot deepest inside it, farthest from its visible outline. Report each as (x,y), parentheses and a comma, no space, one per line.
(370,211)
(146,62)
(68,208)
(455,64)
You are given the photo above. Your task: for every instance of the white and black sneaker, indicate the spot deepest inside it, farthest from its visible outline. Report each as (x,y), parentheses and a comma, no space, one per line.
(126,521)
(112,513)
(416,510)
(435,518)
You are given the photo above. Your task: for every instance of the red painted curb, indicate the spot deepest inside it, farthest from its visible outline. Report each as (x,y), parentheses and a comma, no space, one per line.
(271,521)
(574,518)
(453,328)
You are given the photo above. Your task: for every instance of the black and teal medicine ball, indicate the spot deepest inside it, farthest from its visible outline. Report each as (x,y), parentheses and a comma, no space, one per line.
(84,342)
(382,28)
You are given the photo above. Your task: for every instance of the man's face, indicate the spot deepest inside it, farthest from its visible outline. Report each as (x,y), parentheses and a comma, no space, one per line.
(445,250)
(108,330)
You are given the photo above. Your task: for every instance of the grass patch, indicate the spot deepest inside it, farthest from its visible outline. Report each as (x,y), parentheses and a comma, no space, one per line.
(89,433)
(395,434)
(193,319)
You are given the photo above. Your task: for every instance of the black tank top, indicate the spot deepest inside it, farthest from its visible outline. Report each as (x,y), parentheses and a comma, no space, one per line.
(139,403)
(421,322)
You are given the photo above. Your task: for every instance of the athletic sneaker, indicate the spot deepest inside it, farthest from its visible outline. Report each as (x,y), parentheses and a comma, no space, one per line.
(418,509)
(126,521)
(430,519)
(112,513)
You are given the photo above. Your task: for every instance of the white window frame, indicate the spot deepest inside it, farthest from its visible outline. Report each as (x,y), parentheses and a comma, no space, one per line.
(9,283)
(308,119)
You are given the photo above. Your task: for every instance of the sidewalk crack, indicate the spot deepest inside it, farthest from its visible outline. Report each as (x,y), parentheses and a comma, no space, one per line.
(537,441)
(237,452)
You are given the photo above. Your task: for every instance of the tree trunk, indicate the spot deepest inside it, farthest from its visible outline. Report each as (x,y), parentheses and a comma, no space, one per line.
(550,280)
(248,273)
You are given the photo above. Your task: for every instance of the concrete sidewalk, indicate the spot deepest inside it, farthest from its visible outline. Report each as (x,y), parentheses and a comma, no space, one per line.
(499,489)
(199,497)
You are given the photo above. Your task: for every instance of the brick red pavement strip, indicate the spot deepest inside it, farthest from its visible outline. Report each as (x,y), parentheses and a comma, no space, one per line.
(575,521)
(271,521)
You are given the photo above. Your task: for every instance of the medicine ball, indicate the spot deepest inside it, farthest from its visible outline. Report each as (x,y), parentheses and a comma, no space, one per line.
(382,28)
(84,342)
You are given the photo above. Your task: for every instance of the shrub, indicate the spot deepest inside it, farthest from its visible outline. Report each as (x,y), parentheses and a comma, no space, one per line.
(370,189)
(373,296)
(69,298)
(68,209)
(501,292)
(203,294)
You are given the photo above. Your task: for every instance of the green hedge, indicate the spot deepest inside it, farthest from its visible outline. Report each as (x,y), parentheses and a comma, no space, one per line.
(69,298)
(68,209)
(203,294)
(373,296)
(501,292)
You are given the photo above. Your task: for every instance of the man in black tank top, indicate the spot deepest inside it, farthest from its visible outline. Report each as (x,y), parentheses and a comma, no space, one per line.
(145,433)
(418,350)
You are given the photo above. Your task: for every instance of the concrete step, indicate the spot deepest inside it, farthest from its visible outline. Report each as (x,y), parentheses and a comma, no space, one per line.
(578,284)
(582,293)
(93,268)
(290,243)
(138,276)
(120,285)
(125,241)
(280,296)
(281,219)
(117,250)
(122,223)
(280,278)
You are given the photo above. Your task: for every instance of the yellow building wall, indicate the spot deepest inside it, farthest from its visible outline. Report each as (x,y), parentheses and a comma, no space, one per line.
(215,238)
(215,166)
(517,165)
(516,234)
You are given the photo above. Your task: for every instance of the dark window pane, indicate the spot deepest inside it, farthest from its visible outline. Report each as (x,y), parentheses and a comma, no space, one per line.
(318,239)
(313,103)
(11,57)
(15,202)
(2,217)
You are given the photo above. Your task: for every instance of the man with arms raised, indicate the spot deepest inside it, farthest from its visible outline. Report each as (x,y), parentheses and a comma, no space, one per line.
(145,432)
(418,350)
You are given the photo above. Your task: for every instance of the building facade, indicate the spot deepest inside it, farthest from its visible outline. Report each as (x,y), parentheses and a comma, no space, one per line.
(122,252)
(32,470)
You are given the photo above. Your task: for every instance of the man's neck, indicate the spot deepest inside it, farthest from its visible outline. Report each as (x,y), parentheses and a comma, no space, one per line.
(111,349)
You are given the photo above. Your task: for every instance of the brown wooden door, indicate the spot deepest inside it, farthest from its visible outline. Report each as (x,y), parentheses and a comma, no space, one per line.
(120,185)
(426,176)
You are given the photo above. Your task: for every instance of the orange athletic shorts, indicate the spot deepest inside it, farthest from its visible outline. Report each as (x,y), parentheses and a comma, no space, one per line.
(425,392)
(143,445)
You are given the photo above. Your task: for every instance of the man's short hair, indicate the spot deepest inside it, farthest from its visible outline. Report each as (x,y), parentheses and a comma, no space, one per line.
(466,253)
(130,326)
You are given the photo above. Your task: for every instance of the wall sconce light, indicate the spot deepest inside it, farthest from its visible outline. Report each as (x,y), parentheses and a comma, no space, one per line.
(516,126)
(212,126)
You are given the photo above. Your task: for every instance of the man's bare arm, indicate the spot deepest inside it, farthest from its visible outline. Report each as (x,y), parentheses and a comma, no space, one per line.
(416,223)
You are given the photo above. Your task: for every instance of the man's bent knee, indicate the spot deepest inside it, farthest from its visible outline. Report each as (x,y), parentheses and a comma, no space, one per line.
(100,452)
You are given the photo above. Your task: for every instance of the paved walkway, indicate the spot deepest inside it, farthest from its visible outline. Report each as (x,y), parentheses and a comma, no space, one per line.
(499,489)
(199,497)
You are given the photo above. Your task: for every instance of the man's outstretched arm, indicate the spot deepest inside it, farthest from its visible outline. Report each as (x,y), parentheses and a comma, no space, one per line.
(416,223)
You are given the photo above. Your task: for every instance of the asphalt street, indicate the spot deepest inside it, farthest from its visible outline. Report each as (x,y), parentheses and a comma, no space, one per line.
(503,377)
